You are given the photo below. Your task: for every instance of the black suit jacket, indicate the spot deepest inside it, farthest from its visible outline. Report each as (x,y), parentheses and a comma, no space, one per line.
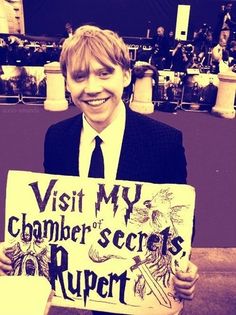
(151,151)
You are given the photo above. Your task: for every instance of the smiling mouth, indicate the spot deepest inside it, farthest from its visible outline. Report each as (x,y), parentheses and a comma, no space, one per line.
(96,102)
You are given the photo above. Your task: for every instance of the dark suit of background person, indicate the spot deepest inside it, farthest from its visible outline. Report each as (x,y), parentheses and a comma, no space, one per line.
(160,49)
(224,25)
(69,31)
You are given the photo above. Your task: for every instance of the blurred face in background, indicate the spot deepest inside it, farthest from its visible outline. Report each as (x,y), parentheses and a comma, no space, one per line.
(228,7)
(160,31)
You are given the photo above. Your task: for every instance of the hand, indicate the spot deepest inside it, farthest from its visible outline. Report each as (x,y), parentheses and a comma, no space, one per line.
(5,262)
(179,45)
(184,282)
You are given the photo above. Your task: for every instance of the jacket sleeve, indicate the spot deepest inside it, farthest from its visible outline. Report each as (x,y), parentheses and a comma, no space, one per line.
(48,153)
(53,152)
(175,162)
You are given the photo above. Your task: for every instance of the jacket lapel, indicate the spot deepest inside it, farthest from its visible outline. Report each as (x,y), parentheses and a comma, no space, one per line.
(73,140)
(129,153)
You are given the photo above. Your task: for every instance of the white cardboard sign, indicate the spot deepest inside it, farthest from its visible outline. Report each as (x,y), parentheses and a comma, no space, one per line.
(108,246)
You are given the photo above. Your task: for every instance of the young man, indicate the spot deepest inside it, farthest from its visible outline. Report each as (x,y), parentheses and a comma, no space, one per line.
(96,66)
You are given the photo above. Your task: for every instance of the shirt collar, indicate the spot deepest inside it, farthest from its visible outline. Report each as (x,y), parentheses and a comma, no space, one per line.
(108,133)
(88,131)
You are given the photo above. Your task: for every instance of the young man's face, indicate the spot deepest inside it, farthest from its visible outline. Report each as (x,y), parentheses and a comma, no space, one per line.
(98,92)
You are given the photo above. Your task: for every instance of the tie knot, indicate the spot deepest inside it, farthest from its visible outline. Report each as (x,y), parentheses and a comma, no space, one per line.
(98,141)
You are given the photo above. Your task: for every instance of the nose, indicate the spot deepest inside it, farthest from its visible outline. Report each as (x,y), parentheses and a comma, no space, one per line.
(93,85)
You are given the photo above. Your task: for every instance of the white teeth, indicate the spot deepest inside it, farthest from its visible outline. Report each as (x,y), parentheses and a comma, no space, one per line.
(96,102)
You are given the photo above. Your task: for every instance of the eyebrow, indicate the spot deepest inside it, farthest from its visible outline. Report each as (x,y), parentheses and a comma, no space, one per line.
(105,68)
(85,73)
(79,73)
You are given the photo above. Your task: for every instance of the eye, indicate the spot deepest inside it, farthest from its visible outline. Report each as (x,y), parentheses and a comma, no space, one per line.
(78,76)
(105,73)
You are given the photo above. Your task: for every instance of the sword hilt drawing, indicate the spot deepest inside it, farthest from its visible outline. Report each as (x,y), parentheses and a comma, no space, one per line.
(138,262)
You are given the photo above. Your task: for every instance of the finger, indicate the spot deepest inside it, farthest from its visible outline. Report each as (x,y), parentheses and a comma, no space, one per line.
(185,297)
(186,294)
(183,276)
(5,263)
(4,267)
(184,291)
(192,268)
(2,273)
(185,282)
(4,259)
(190,275)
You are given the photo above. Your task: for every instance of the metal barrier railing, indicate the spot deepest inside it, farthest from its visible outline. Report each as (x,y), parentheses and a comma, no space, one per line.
(27,85)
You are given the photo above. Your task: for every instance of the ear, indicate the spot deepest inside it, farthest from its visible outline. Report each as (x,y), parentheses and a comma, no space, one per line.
(126,78)
(67,86)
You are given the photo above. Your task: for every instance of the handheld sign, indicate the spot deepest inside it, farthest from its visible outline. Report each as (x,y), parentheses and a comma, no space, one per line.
(107,246)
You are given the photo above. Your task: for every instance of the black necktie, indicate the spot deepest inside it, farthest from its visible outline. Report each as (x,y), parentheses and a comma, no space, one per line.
(97,165)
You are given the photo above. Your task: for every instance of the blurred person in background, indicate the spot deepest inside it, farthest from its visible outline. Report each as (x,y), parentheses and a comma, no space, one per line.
(225,23)
(160,49)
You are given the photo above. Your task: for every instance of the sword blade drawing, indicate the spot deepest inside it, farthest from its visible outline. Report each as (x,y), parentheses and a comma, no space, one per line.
(156,288)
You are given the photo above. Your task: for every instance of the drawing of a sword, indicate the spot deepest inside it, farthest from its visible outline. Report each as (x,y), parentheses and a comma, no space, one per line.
(152,283)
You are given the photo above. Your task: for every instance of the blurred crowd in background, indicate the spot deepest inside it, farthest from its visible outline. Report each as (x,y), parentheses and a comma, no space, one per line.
(203,51)
(210,50)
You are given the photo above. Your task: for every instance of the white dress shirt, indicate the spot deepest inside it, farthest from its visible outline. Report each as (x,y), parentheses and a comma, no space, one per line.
(112,137)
